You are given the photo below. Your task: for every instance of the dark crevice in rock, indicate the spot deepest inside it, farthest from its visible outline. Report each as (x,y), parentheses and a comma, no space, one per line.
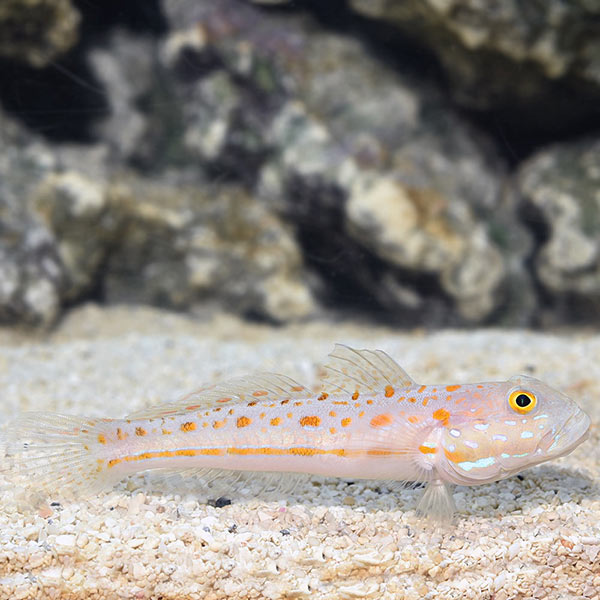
(333,14)
(64,100)
(58,102)
(142,16)
(352,280)
(521,129)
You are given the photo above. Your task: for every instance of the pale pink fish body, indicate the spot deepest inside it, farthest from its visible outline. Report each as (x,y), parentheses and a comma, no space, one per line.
(369,420)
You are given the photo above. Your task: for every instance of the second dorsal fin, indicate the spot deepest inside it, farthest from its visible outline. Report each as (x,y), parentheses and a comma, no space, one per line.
(349,370)
(260,387)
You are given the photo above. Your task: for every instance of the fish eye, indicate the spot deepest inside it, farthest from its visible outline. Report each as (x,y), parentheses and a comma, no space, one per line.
(522,401)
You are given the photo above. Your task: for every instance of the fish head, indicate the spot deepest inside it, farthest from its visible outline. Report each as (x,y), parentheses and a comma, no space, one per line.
(524,422)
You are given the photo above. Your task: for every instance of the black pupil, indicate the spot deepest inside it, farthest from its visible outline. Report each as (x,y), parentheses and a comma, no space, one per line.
(523,401)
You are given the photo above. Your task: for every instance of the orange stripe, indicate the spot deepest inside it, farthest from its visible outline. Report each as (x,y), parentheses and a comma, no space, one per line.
(298,451)
(167,454)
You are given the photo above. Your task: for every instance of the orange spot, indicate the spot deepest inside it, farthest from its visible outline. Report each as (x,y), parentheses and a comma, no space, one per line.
(355,395)
(413,419)
(412,399)
(332,430)
(193,407)
(205,424)
(480,386)
(361,413)
(312,421)
(230,411)
(284,401)
(261,416)
(427,450)
(260,393)
(227,399)
(346,422)
(401,398)
(188,426)
(101,439)
(218,408)
(452,388)
(448,398)
(357,405)
(341,403)
(252,403)
(219,424)
(121,434)
(297,403)
(297,388)
(140,431)
(243,422)
(276,421)
(369,401)
(332,413)
(382,420)
(166,431)
(323,396)
(421,389)
(441,414)
(425,401)
(460,400)
(455,456)
(389,391)
(476,395)
(289,415)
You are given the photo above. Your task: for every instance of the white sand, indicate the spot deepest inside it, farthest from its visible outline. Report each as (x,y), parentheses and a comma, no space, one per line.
(536,537)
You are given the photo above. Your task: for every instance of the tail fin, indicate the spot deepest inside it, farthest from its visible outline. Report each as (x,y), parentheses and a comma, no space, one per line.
(51,454)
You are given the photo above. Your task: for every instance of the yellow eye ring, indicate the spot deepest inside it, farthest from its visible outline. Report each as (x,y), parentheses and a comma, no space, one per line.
(522,401)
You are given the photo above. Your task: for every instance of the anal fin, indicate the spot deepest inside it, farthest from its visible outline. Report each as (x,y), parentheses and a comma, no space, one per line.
(437,502)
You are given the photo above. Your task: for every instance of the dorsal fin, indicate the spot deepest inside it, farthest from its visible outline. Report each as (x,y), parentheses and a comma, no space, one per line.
(261,387)
(349,370)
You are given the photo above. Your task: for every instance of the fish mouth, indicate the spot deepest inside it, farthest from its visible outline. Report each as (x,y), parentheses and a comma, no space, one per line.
(573,432)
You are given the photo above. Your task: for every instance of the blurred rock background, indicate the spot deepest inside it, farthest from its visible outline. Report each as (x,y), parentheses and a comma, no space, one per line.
(416,162)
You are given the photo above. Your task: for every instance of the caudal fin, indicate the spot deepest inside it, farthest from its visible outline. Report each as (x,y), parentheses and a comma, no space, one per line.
(48,454)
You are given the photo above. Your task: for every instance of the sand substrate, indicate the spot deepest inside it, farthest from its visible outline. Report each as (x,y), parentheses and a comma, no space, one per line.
(532,536)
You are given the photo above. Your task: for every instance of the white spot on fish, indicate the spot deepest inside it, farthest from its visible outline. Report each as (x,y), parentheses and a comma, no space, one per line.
(540,426)
(451,447)
(504,455)
(471,444)
(478,464)
(455,433)
(524,421)
(481,426)
(499,437)
(510,422)
(430,444)
(520,455)
(526,434)
(540,417)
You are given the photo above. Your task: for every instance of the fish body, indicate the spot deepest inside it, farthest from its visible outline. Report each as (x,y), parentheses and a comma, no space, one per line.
(368,420)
